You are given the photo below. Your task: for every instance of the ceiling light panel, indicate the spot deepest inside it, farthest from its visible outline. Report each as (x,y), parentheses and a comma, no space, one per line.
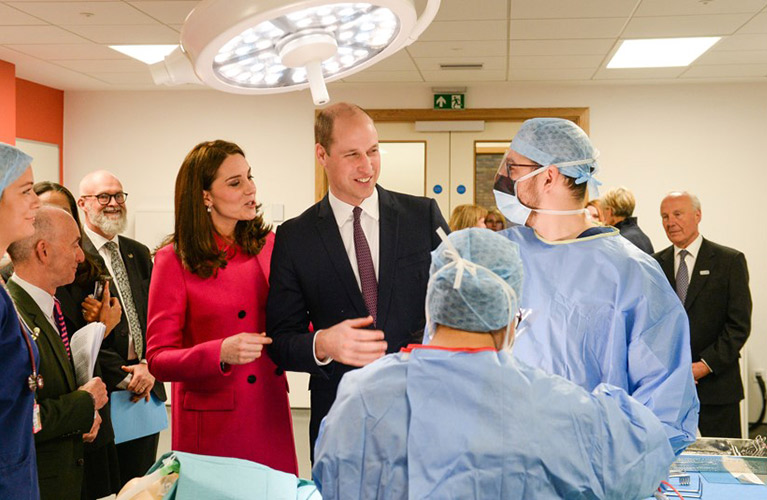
(660,52)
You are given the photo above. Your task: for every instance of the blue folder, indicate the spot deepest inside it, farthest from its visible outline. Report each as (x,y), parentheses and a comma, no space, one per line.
(134,420)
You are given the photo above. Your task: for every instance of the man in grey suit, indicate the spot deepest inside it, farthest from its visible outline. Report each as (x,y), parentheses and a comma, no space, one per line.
(122,357)
(354,265)
(712,282)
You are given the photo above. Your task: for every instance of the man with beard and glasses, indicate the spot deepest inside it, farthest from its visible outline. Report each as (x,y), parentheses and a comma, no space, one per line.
(122,357)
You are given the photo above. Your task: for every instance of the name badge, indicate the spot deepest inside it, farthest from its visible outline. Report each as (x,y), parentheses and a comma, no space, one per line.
(704,272)
(37,423)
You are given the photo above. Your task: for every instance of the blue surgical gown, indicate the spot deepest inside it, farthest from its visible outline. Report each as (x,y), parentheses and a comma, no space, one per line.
(601,310)
(446,424)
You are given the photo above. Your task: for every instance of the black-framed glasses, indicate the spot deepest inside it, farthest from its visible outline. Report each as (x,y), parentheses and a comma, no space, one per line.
(105,198)
(510,165)
(505,183)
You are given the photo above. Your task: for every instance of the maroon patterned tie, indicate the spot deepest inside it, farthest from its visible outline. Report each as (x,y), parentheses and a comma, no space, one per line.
(365,266)
(58,317)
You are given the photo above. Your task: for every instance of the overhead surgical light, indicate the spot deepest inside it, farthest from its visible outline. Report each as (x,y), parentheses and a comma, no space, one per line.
(270,46)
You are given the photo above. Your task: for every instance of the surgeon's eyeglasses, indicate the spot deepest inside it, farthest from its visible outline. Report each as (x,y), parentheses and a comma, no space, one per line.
(105,198)
(504,183)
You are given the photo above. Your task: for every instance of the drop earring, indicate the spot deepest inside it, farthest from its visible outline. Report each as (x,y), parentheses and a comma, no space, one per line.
(208,208)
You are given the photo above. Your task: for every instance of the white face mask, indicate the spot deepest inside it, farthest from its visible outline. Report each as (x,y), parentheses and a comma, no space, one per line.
(510,205)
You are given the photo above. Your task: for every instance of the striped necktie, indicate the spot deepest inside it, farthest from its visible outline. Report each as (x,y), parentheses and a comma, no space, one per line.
(682,276)
(58,318)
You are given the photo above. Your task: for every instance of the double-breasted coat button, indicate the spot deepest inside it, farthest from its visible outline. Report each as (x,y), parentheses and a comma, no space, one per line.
(241,314)
(251,379)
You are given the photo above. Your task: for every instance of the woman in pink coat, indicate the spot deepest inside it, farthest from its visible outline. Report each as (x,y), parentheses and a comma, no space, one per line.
(206,317)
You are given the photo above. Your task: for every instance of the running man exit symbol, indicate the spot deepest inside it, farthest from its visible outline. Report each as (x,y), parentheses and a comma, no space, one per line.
(448,101)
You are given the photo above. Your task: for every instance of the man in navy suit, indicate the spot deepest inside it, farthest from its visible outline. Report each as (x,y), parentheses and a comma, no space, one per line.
(712,283)
(348,276)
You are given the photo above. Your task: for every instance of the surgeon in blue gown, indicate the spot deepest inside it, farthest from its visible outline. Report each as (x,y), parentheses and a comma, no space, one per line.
(461,418)
(19,358)
(600,309)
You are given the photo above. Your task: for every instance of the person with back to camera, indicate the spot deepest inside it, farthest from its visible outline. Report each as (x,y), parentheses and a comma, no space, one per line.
(601,309)
(618,209)
(207,316)
(464,216)
(459,417)
(20,417)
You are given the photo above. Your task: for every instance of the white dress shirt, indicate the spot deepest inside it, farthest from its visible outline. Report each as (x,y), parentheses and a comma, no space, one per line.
(369,220)
(693,249)
(43,299)
(99,242)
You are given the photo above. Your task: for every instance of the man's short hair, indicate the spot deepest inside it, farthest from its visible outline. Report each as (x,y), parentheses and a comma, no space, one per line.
(694,199)
(45,228)
(620,200)
(323,124)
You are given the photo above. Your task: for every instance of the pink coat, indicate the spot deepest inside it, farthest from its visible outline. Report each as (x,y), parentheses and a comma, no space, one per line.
(243,412)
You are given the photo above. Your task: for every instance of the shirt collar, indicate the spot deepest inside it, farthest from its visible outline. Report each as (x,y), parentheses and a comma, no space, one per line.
(342,211)
(98,240)
(43,299)
(693,248)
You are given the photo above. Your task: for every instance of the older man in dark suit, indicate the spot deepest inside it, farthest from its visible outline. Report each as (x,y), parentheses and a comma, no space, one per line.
(354,266)
(122,357)
(43,262)
(712,283)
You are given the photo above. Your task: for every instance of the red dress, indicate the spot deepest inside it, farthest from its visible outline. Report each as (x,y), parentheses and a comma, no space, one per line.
(243,412)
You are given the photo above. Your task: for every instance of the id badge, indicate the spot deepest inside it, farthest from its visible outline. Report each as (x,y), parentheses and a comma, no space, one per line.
(37,423)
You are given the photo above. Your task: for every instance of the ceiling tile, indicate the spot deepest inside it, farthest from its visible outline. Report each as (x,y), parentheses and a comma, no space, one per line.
(464,76)
(560,47)
(529,74)
(104,65)
(677,26)
(555,29)
(12,17)
(400,61)
(756,25)
(140,34)
(489,63)
(576,61)
(696,7)
(733,57)
(56,52)
(135,78)
(385,76)
(168,12)
(477,10)
(726,71)
(84,13)
(741,42)
(561,9)
(457,49)
(465,30)
(638,73)
(45,73)
(37,34)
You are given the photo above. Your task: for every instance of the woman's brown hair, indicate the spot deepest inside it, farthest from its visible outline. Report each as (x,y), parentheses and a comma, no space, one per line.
(193,239)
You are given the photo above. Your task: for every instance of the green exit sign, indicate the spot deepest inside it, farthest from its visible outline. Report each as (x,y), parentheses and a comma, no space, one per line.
(449,101)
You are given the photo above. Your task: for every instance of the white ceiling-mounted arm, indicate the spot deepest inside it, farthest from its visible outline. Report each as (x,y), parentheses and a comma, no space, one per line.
(175,69)
(429,12)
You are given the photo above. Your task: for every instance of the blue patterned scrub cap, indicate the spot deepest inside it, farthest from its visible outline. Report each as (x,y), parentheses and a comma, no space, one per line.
(469,276)
(13,163)
(560,142)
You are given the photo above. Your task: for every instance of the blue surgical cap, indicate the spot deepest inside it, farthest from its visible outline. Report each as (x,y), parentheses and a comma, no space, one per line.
(556,141)
(13,163)
(477,301)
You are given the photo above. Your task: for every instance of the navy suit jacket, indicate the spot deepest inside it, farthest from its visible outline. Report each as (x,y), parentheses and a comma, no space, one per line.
(718,304)
(312,281)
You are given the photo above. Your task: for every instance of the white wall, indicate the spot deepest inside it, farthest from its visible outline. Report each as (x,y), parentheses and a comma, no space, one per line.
(707,138)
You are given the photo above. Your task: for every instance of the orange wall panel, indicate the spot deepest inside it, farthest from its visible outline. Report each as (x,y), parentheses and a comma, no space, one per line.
(40,115)
(7,102)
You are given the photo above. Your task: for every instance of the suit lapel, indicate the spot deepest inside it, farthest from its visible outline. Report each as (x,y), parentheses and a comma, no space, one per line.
(36,320)
(666,258)
(331,239)
(388,239)
(704,262)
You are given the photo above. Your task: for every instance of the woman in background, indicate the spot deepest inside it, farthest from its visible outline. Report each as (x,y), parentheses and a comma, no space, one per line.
(206,317)
(464,216)
(495,220)
(18,353)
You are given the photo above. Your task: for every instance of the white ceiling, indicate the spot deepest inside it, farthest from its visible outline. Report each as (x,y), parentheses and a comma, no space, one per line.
(63,43)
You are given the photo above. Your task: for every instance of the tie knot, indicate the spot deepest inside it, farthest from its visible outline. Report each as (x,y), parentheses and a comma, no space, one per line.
(356,213)
(683,253)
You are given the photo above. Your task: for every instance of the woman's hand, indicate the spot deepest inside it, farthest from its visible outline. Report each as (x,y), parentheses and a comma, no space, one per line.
(243,348)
